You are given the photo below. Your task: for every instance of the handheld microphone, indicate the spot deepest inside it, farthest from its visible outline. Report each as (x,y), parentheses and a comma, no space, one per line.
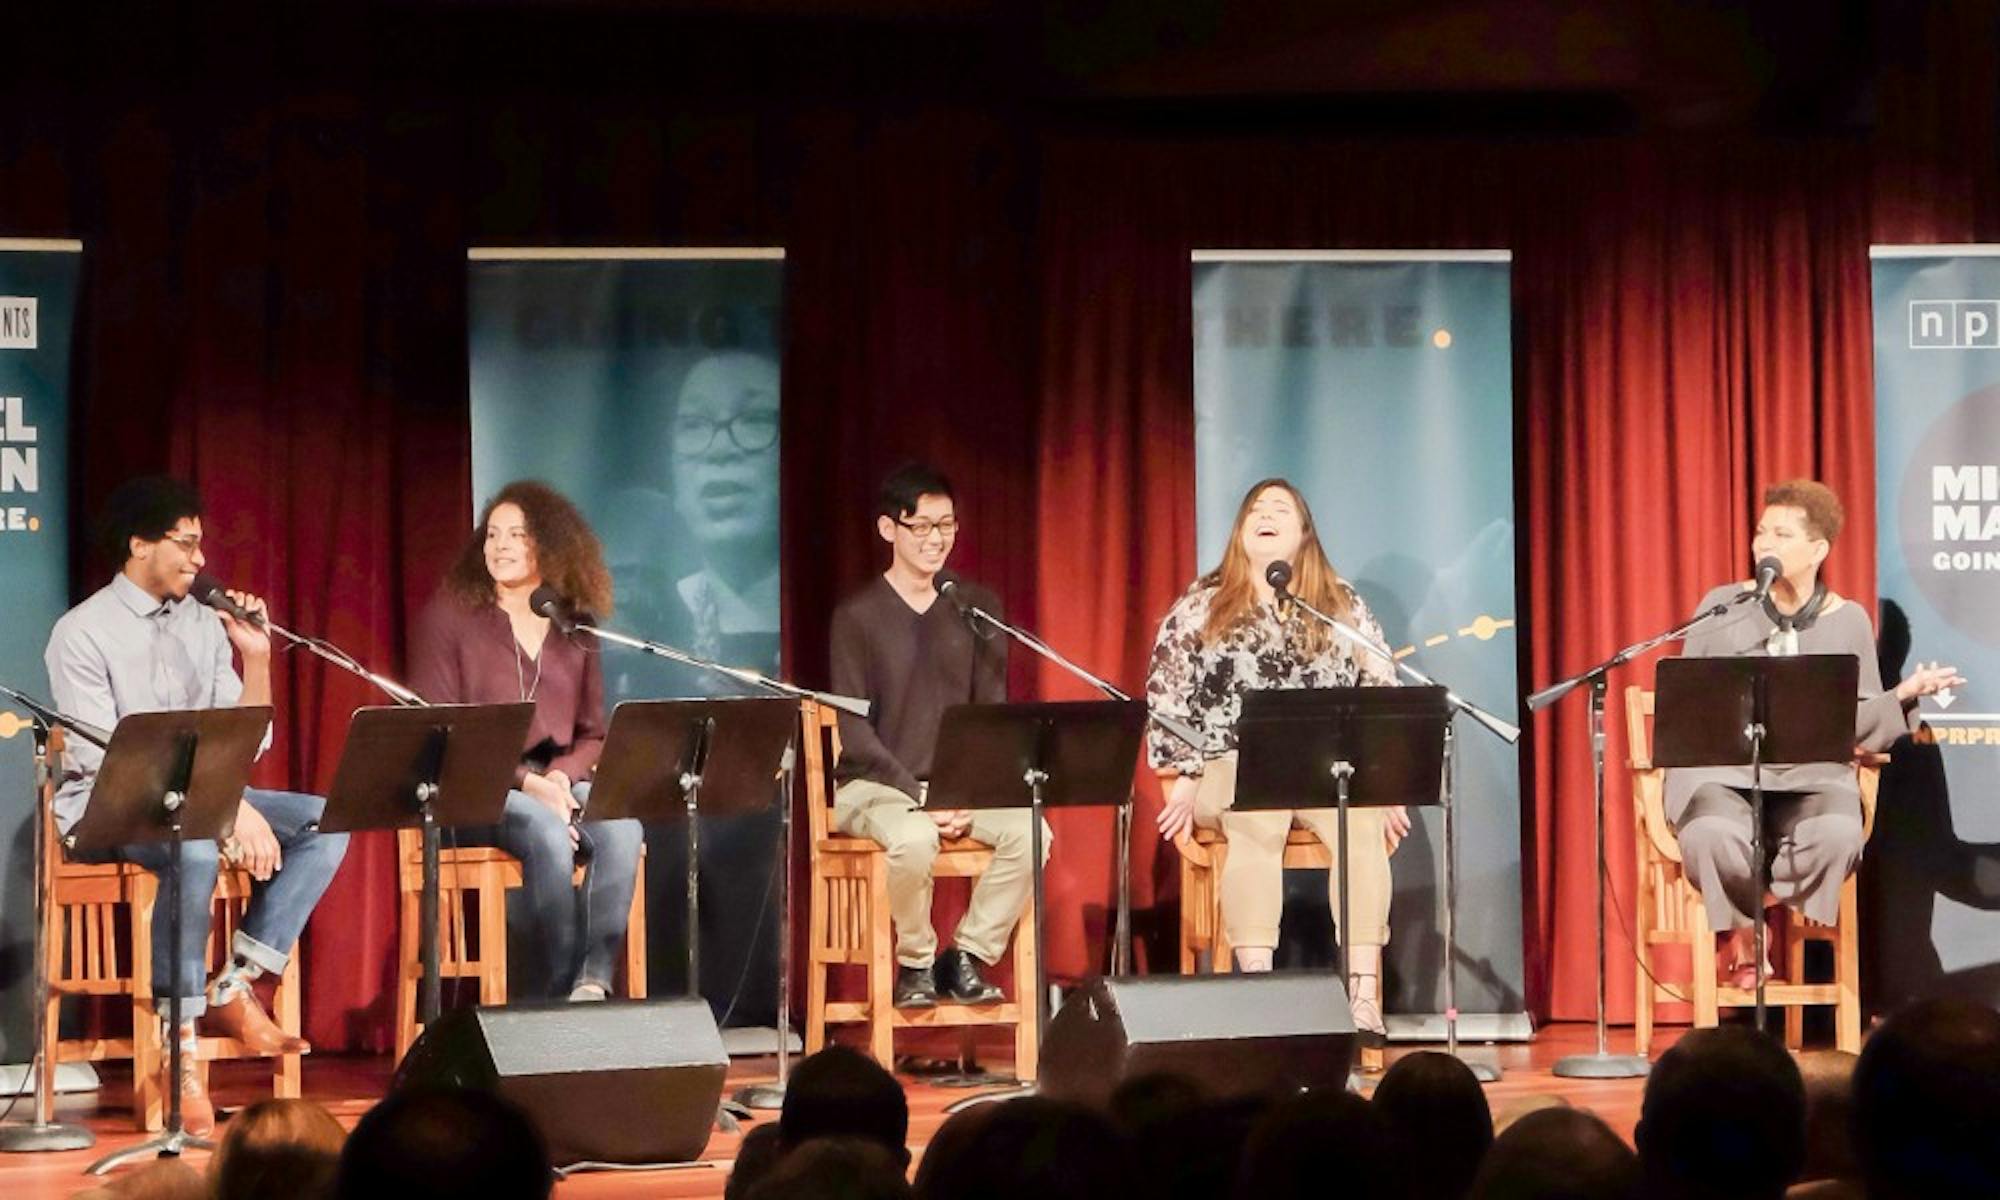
(208,590)
(1768,570)
(1279,576)
(548,602)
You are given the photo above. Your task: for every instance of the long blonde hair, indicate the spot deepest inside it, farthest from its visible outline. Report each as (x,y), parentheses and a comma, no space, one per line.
(1313,578)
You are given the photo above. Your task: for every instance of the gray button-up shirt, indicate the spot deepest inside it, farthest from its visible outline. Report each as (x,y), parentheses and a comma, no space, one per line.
(121,651)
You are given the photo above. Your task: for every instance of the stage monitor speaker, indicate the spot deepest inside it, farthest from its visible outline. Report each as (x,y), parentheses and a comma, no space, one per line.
(1251,1034)
(616,1082)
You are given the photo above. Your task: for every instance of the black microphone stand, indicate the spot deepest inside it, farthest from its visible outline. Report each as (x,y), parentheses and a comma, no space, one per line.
(1121,947)
(1506,732)
(1602,1064)
(756,1095)
(42,1133)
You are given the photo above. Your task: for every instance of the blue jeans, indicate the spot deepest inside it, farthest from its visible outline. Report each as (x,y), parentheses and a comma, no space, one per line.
(576,932)
(278,907)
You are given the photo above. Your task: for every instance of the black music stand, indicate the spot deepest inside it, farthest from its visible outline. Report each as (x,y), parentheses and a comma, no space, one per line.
(422,768)
(1065,754)
(663,758)
(170,777)
(1749,710)
(1368,746)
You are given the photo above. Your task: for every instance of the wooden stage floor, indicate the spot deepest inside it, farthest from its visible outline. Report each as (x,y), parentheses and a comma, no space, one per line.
(349,1085)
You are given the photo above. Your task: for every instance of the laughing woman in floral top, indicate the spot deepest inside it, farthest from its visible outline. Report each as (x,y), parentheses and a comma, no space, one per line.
(1224,637)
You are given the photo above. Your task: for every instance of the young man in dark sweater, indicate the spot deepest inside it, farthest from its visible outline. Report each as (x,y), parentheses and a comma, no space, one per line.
(909,651)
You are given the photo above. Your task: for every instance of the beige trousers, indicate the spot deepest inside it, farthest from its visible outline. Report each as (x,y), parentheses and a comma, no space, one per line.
(864,808)
(1253,886)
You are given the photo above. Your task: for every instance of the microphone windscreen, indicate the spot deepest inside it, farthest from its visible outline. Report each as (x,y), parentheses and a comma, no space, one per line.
(546,601)
(207,589)
(1769,567)
(1279,575)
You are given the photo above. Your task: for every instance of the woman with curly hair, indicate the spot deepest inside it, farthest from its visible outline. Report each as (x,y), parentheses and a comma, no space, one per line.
(480,643)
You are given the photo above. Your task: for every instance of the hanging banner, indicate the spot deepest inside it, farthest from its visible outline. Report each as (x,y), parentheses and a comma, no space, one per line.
(644,385)
(1931,883)
(1380,383)
(38,287)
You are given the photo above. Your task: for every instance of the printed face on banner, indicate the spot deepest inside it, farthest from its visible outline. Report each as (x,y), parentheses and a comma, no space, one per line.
(647,390)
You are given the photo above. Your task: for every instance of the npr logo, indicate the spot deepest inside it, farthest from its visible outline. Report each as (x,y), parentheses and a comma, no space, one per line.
(1955,324)
(18,324)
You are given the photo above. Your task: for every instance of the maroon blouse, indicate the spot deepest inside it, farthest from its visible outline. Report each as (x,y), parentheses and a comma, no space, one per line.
(466,655)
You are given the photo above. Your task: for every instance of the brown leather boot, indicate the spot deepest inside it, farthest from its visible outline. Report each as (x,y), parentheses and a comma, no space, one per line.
(244,1019)
(197,1111)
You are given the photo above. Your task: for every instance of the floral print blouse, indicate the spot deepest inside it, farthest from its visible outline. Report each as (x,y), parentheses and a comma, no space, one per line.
(1204,685)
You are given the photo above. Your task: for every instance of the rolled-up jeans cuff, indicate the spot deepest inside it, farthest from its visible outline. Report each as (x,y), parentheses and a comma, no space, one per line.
(257,954)
(192,1007)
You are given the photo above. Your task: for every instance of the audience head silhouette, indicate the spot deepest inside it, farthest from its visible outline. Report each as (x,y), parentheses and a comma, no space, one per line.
(1557,1154)
(837,1168)
(840,1092)
(1724,1115)
(1926,1103)
(1435,1101)
(1033,1147)
(445,1144)
(277,1148)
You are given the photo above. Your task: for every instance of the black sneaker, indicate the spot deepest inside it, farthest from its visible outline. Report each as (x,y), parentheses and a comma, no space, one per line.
(959,979)
(916,987)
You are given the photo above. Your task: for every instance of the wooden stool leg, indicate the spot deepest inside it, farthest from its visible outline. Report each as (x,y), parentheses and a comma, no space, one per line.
(817,966)
(635,936)
(409,969)
(1027,986)
(1701,958)
(881,965)
(492,903)
(286,1079)
(1847,971)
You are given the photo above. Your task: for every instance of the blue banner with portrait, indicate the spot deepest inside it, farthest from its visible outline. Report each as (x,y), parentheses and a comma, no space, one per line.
(38,289)
(644,385)
(1931,883)
(1380,384)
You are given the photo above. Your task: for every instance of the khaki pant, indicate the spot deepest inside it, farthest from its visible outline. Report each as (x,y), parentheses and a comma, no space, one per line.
(864,808)
(1253,886)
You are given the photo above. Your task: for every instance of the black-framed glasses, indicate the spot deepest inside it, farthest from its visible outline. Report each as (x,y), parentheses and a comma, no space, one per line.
(922,526)
(749,431)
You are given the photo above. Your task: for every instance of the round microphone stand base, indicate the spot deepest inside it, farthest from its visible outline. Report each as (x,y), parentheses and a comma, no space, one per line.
(43,1137)
(1602,1066)
(769,1096)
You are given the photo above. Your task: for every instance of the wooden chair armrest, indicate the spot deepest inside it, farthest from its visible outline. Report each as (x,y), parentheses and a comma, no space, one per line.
(1649,805)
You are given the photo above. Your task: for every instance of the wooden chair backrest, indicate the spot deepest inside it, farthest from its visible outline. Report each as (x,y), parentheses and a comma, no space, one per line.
(820,728)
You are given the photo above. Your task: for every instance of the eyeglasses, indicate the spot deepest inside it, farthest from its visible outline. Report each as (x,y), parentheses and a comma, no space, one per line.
(922,526)
(750,431)
(190,543)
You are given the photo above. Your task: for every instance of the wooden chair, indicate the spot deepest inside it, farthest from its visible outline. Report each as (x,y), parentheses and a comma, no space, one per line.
(473,882)
(98,931)
(850,926)
(1203,851)
(1670,913)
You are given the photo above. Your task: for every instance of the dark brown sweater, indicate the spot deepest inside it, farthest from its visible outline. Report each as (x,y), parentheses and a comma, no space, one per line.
(463,655)
(911,666)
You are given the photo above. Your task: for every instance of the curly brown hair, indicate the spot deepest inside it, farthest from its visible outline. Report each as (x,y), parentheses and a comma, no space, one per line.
(569,555)
(1824,514)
